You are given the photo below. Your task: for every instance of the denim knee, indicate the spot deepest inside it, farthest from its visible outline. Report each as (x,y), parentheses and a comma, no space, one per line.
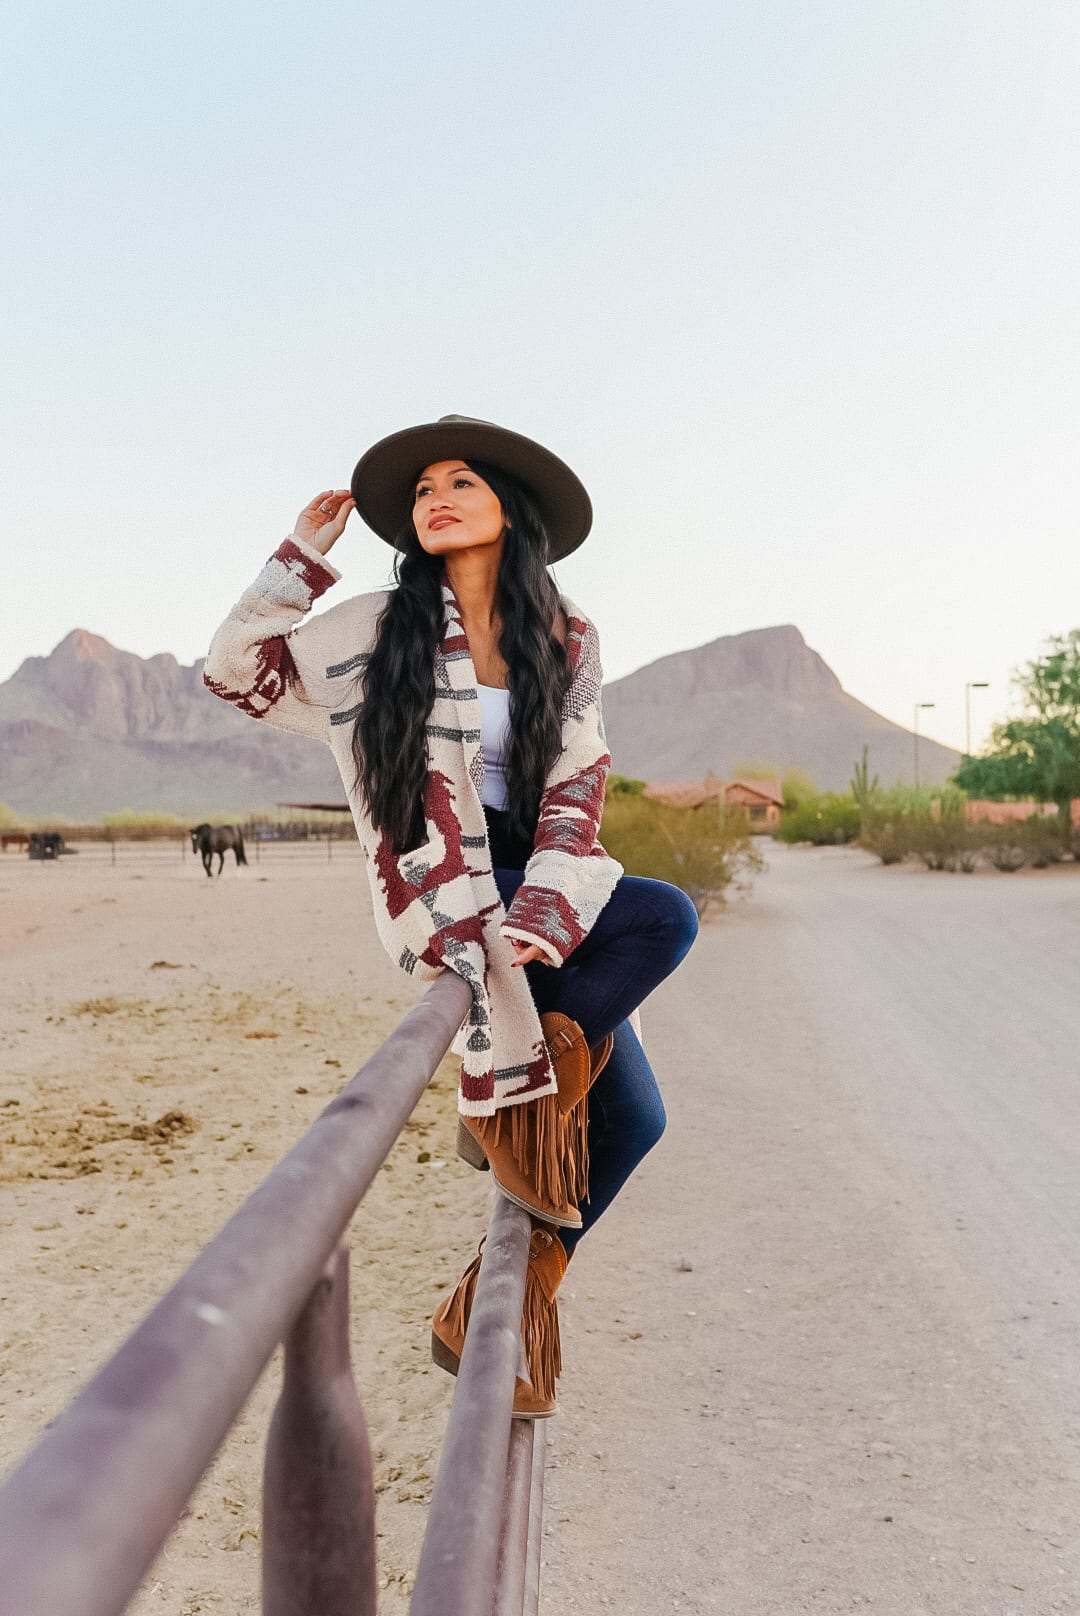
(676,914)
(648,1126)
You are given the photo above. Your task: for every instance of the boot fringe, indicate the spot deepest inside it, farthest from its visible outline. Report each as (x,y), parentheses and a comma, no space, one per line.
(455,1310)
(540,1332)
(549,1145)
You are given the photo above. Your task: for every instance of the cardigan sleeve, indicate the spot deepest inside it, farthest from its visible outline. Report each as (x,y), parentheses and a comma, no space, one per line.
(260,660)
(570,877)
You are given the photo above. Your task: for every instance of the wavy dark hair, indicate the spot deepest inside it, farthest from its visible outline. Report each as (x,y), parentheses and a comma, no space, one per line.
(397,684)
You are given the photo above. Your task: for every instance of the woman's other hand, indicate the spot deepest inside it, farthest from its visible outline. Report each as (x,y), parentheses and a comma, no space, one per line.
(323,521)
(528,952)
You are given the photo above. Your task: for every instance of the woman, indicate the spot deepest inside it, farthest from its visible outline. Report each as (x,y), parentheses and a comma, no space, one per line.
(463,709)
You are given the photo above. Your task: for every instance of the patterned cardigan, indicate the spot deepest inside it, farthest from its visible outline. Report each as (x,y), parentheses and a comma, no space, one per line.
(437,907)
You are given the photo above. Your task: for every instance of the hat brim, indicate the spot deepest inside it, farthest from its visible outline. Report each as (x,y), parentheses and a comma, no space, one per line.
(383,483)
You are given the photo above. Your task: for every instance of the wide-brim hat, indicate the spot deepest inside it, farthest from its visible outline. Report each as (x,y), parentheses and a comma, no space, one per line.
(384,481)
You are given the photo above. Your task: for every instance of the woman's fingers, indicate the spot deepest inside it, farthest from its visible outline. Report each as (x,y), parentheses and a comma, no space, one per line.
(527,953)
(339,506)
(323,518)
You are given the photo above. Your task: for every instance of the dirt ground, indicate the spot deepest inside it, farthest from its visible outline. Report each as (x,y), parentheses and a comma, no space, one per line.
(165,1039)
(822,1355)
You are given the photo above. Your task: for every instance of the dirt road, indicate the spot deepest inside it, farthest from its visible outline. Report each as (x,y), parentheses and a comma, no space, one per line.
(825,1352)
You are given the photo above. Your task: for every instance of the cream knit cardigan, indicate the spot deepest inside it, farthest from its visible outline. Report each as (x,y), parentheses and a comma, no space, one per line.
(437,907)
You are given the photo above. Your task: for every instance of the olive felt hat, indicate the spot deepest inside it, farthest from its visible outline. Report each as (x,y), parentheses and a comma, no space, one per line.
(383,483)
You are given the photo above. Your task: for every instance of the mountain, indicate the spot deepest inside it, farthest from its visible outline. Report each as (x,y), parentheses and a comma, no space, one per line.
(766,696)
(89,729)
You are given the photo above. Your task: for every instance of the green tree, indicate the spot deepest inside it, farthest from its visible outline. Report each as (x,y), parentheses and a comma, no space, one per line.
(1036,754)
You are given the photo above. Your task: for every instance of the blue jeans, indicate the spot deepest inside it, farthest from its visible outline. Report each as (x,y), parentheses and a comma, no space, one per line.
(642,933)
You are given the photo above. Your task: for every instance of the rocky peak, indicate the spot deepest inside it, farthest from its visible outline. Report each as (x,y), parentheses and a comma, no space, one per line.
(87,684)
(774,659)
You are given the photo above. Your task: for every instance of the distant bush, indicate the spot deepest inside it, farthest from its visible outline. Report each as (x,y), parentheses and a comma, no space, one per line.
(1004,845)
(887,833)
(1042,840)
(798,786)
(701,850)
(133,818)
(932,824)
(828,820)
(944,841)
(623,785)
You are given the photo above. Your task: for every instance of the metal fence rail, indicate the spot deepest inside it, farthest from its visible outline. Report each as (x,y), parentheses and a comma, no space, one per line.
(84,1515)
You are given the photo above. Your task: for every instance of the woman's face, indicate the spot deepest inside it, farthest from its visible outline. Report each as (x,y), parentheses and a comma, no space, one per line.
(454,509)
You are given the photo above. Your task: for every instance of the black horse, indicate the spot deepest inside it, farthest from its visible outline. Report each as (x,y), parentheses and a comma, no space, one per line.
(211,839)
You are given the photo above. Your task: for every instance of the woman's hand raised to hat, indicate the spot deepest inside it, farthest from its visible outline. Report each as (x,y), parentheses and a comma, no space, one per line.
(322,522)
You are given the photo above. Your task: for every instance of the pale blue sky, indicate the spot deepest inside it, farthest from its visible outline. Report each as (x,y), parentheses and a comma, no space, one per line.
(793,286)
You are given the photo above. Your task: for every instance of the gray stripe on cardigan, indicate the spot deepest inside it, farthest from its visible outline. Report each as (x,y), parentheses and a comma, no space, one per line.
(442,732)
(336,669)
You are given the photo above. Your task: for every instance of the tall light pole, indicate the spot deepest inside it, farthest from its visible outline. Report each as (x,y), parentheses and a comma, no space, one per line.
(919,705)
(972,684)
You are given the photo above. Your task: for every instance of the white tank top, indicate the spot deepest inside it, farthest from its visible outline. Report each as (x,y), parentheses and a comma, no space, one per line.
(494,742)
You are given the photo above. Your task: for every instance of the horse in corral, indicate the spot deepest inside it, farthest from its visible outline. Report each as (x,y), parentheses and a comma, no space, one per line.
(211,839)
(46,844)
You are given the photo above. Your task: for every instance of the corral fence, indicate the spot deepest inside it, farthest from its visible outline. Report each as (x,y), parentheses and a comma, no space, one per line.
(84,1515)
(334,835)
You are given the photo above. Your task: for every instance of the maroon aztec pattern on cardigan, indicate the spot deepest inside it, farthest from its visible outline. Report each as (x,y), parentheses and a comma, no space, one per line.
(437,907)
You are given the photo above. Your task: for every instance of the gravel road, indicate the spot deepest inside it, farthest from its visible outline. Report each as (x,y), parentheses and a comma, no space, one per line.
(824,1354)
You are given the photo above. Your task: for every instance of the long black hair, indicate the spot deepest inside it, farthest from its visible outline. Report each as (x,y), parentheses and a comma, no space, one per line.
(397,684)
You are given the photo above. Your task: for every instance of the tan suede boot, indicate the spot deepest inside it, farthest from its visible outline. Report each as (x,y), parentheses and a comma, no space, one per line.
(534,1399)
(539,1154)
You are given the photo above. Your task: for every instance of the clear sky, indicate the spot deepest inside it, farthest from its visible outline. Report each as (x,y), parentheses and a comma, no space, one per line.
(793,284)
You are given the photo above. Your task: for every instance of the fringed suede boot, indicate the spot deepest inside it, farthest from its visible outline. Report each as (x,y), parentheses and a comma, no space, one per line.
(534,1399)
(538,1151)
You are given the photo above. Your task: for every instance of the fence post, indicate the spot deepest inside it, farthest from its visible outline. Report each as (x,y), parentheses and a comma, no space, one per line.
(318,1535)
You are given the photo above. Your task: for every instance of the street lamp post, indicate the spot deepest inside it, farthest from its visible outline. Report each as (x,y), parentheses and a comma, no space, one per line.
(972,684)
(919,705)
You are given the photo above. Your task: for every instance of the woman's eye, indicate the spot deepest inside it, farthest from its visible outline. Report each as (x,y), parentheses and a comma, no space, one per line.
(421,491)
(462,482)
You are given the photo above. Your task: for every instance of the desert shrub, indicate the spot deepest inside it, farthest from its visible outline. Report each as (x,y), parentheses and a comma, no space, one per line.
(828,821)
(942,836)
(928,821)
(622,785)
(1043,840)
(887,833)
(1005,845)
(798,786)
(944,841)
(137,819)
(702,850)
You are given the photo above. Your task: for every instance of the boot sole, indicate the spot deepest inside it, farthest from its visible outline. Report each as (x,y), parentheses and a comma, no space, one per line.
(443,1358)
(471,1151)
(543,1213)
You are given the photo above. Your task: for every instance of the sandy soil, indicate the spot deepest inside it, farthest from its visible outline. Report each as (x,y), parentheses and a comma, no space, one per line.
(165,1039)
